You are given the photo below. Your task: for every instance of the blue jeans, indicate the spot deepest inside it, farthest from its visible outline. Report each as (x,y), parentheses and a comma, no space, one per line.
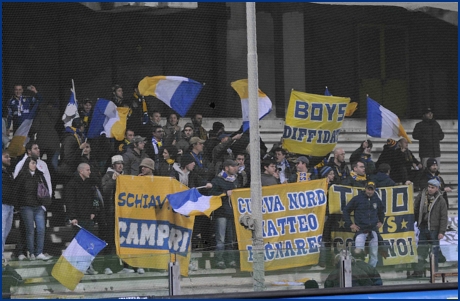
(30,215)
(360,241)
(425,239)
(224,239)
(7,222)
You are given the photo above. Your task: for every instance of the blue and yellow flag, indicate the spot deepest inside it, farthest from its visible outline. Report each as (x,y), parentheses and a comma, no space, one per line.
(313,123)
(149,234)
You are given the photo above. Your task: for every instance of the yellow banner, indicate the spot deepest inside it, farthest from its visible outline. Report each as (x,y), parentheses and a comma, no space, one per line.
(313,123)
(148,233)
(293,222)
(397,230)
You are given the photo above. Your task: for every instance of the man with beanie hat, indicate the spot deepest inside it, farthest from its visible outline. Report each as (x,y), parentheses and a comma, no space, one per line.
(147,167)
(432,172)
(107,227)
(430,212)
(186,175)
(429,133)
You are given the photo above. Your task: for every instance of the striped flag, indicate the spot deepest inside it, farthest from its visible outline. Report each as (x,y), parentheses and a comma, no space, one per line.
(108,119)
(71,111)
(76,259)
(20,138)
(191,202)
(177,92)
(382,123)
(265,104)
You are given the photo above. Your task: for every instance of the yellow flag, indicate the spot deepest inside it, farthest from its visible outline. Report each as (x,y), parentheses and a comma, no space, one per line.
(313,123)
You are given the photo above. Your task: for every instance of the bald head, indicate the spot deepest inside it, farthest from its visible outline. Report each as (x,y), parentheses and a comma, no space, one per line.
(339,155)
(84,170)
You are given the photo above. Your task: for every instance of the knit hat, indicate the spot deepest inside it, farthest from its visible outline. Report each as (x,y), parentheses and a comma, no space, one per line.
(147,162)
(186,160)
(325,171)
(391,142)
(434,182)
(427,110)
(117,159)
(189,125)
(430,162)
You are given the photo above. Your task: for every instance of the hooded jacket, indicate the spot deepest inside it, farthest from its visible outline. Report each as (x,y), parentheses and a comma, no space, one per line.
(437,216)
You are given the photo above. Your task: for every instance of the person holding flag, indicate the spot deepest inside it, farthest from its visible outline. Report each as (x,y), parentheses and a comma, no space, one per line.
(20,106)
(224,183)
(72,145)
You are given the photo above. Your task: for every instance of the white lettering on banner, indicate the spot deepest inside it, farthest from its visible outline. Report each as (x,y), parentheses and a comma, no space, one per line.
(296,248)
(297,201)
(153,234)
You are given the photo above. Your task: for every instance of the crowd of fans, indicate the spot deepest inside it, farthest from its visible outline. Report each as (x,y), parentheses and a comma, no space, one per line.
(213,160)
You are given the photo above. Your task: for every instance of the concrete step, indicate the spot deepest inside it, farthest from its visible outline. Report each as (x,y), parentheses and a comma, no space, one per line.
(154,283)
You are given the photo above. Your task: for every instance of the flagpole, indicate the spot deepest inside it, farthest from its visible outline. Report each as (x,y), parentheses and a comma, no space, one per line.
(254,147)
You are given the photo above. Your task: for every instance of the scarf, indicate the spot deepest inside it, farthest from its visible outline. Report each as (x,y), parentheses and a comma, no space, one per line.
(226,177)
(198,159)
(76,133)
(170,161)
(357,177)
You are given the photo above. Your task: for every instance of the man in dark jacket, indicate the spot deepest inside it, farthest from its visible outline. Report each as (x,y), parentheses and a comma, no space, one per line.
(357,177)
(382,177)
(430,212)
(369,214)
(363,154)
(224,183)
(72,145)
(339,166)
(429,133)
(431,172)
(79,197)
(8,199)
